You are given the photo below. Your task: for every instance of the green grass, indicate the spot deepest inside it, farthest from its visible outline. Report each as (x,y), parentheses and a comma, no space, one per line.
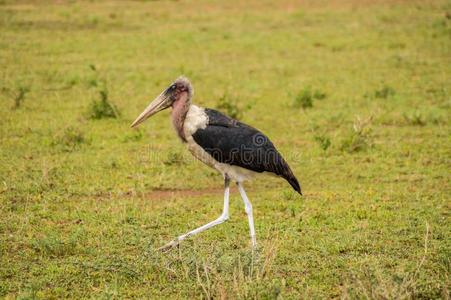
(85,200)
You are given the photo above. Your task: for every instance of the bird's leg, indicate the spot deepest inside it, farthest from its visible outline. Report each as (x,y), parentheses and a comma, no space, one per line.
(250,217)
(222,218)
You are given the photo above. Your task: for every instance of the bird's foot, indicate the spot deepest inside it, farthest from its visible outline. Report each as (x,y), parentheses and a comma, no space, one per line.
(169,246)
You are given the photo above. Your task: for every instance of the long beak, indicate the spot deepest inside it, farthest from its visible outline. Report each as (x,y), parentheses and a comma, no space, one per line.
(160,103)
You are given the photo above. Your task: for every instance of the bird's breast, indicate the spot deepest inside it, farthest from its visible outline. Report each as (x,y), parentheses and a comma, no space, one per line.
(195,119)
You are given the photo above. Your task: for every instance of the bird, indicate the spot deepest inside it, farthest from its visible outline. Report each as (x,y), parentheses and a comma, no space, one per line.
(235,149)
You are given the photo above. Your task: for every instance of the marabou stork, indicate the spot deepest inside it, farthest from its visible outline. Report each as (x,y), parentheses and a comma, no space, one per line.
(238,151)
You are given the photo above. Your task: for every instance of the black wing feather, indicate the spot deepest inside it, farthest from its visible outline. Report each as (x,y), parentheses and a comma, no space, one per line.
(235,143)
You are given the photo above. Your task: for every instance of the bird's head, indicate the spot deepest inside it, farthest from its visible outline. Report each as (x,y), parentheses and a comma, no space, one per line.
(180,90)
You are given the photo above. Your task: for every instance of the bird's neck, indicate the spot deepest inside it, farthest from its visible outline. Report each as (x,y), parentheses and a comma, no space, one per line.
(180,108)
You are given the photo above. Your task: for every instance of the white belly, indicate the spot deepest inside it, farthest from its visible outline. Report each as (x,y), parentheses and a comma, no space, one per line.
(197,119)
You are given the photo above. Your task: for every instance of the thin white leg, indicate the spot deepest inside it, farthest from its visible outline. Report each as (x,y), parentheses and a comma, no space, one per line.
(250,217)
(222,218)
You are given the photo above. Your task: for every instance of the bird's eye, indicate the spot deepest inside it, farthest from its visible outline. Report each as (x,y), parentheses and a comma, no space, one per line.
(173,87)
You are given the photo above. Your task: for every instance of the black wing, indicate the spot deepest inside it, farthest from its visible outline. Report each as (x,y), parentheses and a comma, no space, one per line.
(235,143)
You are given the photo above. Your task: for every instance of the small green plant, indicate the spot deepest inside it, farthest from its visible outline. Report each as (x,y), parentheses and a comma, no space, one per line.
(317,94)
(101,108)
(384,92)
(304,99)
(19,97)
(174,158)
(442,26)
(359,139)
(70,139)
(323,141)
(306,96)
(18,94)
(230,106)
(416,118)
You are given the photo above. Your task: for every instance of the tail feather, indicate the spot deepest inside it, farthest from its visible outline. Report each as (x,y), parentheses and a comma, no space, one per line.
(283,169)
(292,180)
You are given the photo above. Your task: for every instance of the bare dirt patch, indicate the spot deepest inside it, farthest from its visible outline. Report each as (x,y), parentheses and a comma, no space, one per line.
(163,193)
(182,193)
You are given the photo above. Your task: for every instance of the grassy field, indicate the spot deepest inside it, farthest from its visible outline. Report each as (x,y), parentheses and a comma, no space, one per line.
(355,94)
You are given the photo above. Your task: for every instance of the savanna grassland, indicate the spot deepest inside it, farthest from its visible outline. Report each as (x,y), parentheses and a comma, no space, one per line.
(355,94)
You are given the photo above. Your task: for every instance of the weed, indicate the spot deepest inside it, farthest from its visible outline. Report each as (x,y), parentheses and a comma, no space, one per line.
(230,106)
(323,141)
(70,139)
(305,97)
(441,27)
(174,158)
(18,94)
(359,139)
(19,97)
(384,92)
(416,118)
(102,107)
(317,94)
